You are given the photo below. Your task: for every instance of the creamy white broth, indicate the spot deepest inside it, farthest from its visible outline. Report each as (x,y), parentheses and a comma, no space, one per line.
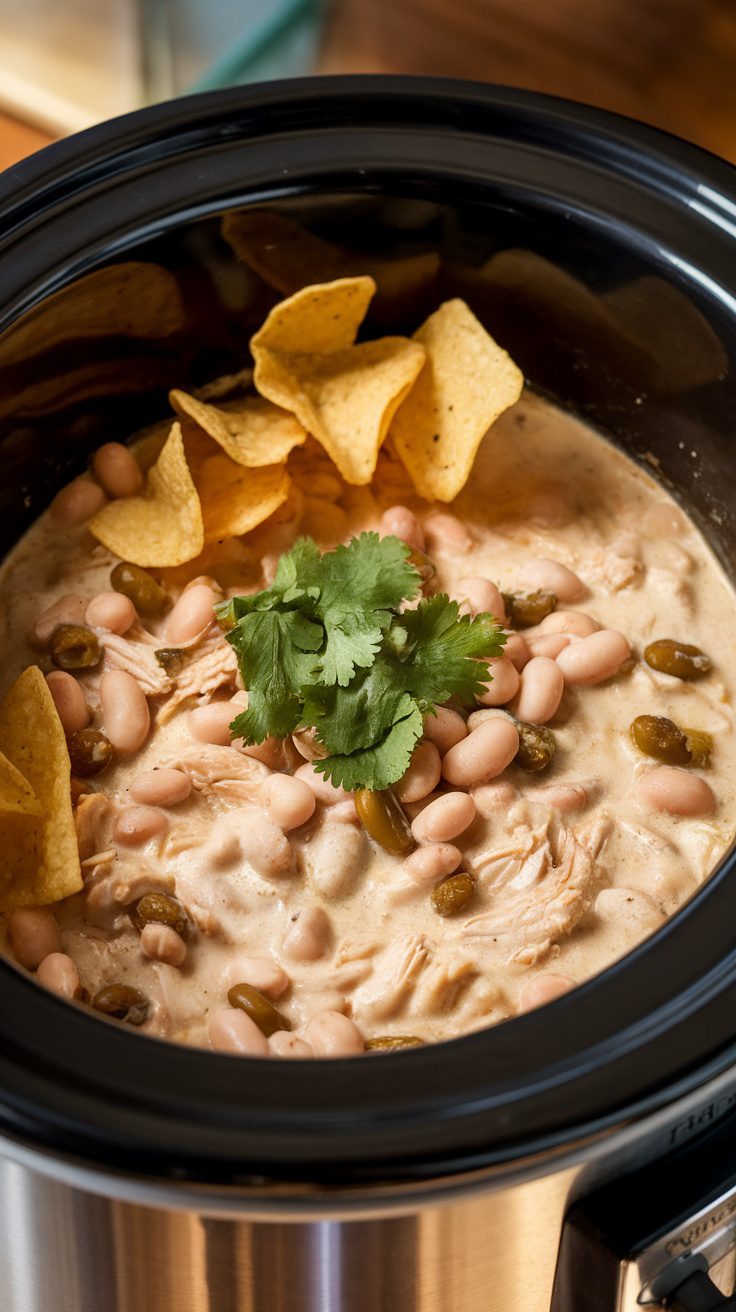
(544,486)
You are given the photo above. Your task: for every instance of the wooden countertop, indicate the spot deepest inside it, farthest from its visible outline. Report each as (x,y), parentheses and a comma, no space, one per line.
(669,62)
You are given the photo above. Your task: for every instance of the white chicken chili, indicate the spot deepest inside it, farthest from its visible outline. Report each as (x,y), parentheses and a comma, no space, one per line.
(237,896)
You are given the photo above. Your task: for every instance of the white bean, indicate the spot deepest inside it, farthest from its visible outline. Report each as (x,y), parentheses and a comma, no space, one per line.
(58,972)
(402,523)
(561,797)
(162,787)
(543,989)
(445,728)
(33,934)
(211,724)
(125,712)
(479,596)
(283,1044)
(308,936)
(69,609)
(593,659)
(566,621)
(344,813)
(208,582)
(111,611)
(552,576)
(540,693)
(484,754)
(117,470)
(504,682)
(230,1030)
(305,741)
(446,532)
(336,858)
(263,973)
(492,798)
(290,801)
(423,774)
(517,650)
(432,862)
(192,615)
(270,752)
(323,790)
(69,701)
(550,644)
(77,502)
(444,818)
(138,824)
(264,845)
(679,792)
(331,1034)
(162,943)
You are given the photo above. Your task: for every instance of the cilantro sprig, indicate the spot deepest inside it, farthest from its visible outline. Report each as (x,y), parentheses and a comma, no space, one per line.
(328,646)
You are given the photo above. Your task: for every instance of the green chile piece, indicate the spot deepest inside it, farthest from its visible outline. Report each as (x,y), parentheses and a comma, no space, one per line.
(537,747)
(123,1002)
(382,815)
(523,609)
(260,1008)
(148,597)
(74,647)
(453,894)
(680,659)
(160,909)
(90,752)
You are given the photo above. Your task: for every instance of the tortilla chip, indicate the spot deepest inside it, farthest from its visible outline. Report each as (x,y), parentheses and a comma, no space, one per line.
(315,321)
(164,525)
(134,299)
(287,257)
(235,500)
(39,859)
(16,795)
(346,399)
(252,431)
(466,383)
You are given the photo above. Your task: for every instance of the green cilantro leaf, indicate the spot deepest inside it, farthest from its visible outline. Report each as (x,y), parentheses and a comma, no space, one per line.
(327,645)
(350,718)
(276,660)
(385,761)
(449,652)
(360,585)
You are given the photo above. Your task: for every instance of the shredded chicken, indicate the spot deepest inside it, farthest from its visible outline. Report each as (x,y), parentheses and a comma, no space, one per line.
(542,895)
(216,668)
(442,984)
(136,658)
(392,979)
(93,820)
(209,766)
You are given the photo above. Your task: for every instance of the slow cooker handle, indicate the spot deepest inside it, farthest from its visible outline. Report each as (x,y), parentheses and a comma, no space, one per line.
(697,1293)
(652,1239)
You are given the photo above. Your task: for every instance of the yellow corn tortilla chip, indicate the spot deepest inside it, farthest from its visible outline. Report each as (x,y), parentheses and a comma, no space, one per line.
(163,526)
(16,795)
(39,859)
(316,320)
(251,430)
(466,383)
(235,500)
(346,399)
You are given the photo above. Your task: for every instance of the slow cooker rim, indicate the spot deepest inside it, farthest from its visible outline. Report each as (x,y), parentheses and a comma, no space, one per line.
(49,1096)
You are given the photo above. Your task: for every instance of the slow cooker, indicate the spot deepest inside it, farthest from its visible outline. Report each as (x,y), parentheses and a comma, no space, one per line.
(583,1157)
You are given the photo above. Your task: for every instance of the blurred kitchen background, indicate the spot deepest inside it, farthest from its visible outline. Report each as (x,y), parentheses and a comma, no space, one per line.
(65,64)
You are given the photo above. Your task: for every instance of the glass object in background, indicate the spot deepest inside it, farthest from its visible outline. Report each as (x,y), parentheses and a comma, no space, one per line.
(66,66)
(195,45)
